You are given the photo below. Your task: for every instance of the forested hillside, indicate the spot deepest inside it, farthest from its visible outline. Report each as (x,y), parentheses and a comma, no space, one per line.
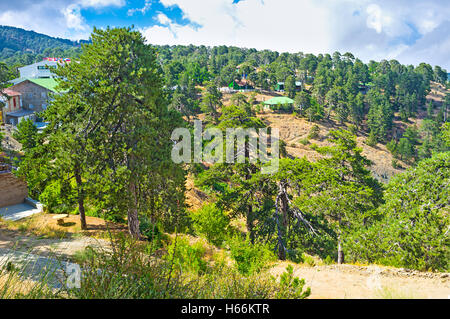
(21,47)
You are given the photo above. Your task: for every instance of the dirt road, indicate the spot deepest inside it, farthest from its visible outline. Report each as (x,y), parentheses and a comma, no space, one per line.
(367,282)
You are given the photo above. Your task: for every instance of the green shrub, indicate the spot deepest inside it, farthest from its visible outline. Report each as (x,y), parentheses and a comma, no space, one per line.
(57,198)
(353,129)
(309,260)
(292,287)
(250,258)
(314,132)
(127,272)
(304,141)
(329,260)
(153,232)
(392,147)
(372,140)
(186,257)
(211,222)
(295,255)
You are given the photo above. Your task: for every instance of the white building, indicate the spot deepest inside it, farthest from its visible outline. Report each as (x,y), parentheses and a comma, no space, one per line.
(39,70)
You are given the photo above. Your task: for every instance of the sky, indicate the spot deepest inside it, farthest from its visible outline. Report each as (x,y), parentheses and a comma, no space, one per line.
(411,31)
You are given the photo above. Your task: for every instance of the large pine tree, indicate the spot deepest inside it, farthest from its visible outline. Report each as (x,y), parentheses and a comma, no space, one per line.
(113,128)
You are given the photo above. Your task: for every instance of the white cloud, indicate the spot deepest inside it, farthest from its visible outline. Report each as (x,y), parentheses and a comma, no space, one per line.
(375,18)
(371,29)
(147,6)
(60,18)
(73,17)
(163,19)
(249,23)
(102,3)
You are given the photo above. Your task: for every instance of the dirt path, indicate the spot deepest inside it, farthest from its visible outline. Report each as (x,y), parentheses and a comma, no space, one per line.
(334,282)
(66,247)
(367,282)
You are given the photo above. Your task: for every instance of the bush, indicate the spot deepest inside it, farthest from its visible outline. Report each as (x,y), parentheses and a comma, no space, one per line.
(186,257)
(392,147)
(372,140)
(304,141)
(329,260)
(353,129)
(57,198)
(314,132)
(153,232)
(211,222)
(295,255)
(128,272)
(309,260)
(250,258)
(292,286)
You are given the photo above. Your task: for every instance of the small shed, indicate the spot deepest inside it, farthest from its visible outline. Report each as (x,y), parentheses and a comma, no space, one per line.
(279,87)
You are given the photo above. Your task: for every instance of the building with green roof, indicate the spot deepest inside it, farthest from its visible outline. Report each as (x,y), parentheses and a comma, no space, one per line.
(49,83)
(35,92)
(280,103)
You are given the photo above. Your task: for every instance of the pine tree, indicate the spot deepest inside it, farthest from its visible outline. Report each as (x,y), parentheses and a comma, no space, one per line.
(112,128)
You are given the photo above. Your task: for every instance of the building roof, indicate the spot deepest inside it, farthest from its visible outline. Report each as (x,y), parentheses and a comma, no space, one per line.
(48,83)
(242,82)
(279,100)
(10,92)
(20,113)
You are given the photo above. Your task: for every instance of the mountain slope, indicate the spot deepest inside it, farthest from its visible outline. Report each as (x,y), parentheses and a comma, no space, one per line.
(17,39)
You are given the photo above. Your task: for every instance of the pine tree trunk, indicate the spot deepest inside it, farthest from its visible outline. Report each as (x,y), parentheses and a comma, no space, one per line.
(133,219)
(80,198)
(283,208)
(340,252)
(250,224)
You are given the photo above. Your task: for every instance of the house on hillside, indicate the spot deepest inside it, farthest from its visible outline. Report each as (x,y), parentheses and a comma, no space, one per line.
(34,96)
(239,85)
(282,103)
(36,92)
(279,87)
(40,70)
(11,101)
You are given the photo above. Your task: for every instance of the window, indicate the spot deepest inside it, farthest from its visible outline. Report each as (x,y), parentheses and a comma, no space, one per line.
(14,102)
(44,95)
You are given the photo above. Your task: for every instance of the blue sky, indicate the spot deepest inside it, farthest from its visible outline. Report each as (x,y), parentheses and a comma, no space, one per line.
(141,13)
(407,30)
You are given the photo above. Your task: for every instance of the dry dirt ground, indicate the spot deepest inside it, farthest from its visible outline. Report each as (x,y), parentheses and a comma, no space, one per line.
(369,282)
(334,282)
(41,235)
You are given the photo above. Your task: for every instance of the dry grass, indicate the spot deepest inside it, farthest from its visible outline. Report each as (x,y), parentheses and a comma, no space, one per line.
(395,293)
(45,226)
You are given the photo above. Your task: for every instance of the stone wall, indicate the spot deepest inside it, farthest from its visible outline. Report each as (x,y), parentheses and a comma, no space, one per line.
(12,190)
